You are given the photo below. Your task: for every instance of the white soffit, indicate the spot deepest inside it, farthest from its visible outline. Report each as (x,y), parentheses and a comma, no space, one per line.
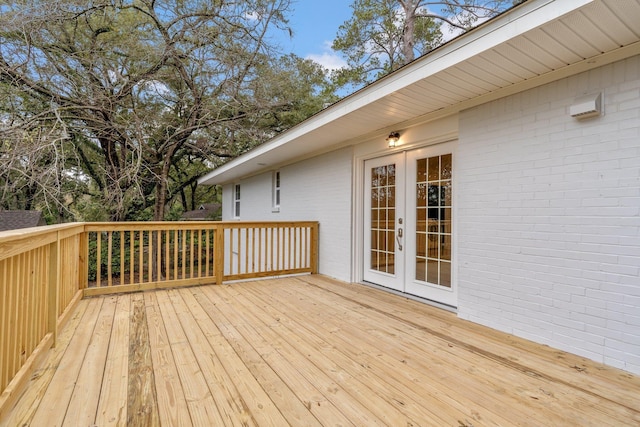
(530,45)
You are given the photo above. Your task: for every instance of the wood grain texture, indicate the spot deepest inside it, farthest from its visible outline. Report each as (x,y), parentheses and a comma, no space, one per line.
(53,406)
(46,270)
(112,404)
(142,409)
(23,412)
(310,351)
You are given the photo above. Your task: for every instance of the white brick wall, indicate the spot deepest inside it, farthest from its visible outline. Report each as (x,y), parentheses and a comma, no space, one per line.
(317,189)
(549,216)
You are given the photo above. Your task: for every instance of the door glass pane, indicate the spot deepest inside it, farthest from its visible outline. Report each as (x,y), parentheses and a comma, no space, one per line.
(434,198)
(445,249)
(445,221)
(445,192)
(383,200)
(434,168)
(374,219)
(445,274)
(445,167)
(432,271)
(422,170)
(421,218)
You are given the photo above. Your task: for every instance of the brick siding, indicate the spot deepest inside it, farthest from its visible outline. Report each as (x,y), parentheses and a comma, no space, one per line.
(549,216)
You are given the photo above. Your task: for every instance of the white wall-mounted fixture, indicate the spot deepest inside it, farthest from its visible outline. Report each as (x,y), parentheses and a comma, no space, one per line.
(392,139)
(587,106)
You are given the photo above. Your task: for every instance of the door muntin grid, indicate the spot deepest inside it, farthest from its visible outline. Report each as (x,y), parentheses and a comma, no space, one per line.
(383,218)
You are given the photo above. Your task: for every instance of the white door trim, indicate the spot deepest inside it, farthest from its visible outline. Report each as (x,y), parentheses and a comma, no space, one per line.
(358,259)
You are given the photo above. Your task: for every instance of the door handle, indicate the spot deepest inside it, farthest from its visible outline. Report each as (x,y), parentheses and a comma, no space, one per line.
(398,236)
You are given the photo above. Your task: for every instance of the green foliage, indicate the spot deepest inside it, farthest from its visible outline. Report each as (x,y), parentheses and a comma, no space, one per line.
(144,97)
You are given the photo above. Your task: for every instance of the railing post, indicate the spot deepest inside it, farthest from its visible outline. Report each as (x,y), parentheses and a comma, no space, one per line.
(218,253)
(54,286)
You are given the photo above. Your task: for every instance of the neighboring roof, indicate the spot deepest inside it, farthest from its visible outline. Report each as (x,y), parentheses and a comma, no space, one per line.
(534,43)
(13,220)
(205,211)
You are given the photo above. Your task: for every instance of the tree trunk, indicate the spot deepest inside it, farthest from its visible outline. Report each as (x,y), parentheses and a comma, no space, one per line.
(408,40)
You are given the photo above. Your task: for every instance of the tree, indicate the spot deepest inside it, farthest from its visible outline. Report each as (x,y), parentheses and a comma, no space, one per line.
(384,35)
(34,161)
(136,85)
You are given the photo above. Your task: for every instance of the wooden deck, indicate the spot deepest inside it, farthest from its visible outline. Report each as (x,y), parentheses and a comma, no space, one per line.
(307,351)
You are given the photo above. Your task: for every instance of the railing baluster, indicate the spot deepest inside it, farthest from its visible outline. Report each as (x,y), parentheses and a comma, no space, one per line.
(158,234)
(132,256)
(167,262)
(291,248)
(122,257)
(191,252)
(260,252)
(98,259)
(296,230)
(175,254)
(183,237)
(207,250)
(270,248)
(246,250)
(199,259)
(150,248)
(109,258)
(14,319)
(27,301)
(140,255)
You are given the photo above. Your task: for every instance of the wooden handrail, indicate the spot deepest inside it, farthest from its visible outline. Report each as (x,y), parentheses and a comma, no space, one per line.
(45,271)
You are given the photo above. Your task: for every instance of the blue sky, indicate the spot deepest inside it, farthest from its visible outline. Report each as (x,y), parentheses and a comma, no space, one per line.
(315,24)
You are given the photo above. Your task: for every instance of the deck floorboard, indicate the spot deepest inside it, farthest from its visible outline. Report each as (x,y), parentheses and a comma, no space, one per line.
(310,351)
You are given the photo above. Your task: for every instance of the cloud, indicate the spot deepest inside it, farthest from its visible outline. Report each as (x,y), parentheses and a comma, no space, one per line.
(329,58)
(252,16)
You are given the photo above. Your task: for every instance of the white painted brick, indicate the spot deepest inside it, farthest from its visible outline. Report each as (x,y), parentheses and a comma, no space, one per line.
(621,359)
(549,216)
(306,197)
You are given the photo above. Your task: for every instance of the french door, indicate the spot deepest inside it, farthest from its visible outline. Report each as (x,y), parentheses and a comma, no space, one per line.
(408,223)
(384,221)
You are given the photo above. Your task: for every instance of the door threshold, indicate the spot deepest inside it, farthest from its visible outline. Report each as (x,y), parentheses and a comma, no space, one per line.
(427,301)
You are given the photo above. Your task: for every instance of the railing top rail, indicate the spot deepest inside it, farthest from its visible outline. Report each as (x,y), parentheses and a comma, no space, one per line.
(22,233)
(190,225)
(148,225)
(13,242)
(256,224)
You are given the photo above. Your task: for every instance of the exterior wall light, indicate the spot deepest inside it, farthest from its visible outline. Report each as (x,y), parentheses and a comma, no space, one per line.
(392,139)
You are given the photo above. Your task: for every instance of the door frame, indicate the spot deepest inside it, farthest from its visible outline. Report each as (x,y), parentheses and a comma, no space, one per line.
(358,225)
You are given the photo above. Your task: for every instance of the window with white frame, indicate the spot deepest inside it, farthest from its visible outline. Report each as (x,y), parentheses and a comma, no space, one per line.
(276,190)
(236,201)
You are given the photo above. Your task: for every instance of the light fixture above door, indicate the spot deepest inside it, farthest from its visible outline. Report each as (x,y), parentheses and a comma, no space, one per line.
(393,139)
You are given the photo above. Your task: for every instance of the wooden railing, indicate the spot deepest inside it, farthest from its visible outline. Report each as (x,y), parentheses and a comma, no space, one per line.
(44,272)
(39,285)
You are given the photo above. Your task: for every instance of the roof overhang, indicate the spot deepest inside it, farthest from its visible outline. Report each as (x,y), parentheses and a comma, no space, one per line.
(535,43)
